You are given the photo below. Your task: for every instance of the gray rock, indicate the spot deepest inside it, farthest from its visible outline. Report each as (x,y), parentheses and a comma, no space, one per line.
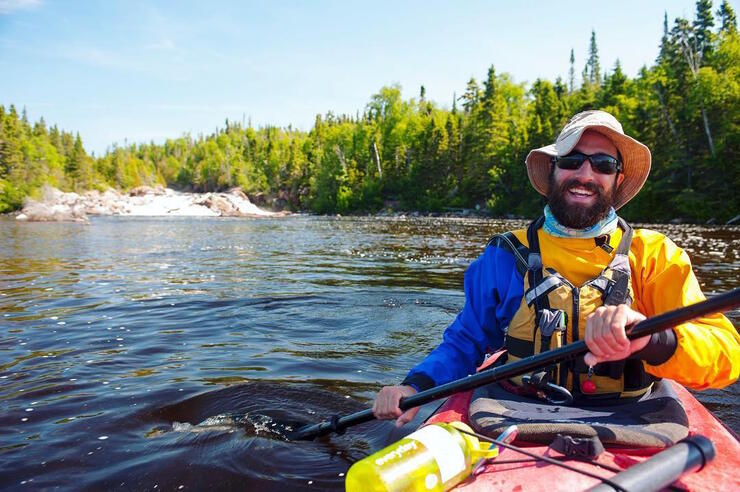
(35,211)
(142,201)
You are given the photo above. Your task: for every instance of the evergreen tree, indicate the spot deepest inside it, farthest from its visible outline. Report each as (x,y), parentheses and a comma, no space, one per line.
(727,18)
(614,86)
(592,65)
(11,154)
(703,36)
(664,41)
(544,114)
(572,72)
(471,97)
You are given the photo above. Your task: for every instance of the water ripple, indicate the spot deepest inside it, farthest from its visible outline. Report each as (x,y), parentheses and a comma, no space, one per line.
(113,334)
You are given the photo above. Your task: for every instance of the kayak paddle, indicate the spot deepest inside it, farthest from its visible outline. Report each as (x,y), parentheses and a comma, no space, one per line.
(720,303)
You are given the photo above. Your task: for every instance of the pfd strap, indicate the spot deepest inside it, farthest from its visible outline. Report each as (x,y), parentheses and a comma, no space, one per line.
(532,239)
(616,289)
(624,244)
(620,263)
(510,242)
(534,261)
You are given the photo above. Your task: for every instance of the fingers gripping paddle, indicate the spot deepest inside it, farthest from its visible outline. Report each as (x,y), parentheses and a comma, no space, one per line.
(720,303)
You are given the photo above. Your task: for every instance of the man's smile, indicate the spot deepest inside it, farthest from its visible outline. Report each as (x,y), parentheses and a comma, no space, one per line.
(580,193)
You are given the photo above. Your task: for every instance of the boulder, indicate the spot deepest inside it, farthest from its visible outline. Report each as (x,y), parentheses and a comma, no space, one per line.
(35,211)
(238,192)
(219,204)
(147,190)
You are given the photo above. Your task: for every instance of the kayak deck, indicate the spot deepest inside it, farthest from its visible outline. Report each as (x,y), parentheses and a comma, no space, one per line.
(514,471)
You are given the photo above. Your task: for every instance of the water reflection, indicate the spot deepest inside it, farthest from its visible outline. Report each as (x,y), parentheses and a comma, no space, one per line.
(111,334)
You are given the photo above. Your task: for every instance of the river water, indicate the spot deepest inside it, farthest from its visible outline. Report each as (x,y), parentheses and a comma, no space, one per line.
(154,353)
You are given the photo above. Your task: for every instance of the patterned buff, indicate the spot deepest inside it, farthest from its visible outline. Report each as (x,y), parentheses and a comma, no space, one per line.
(605,226)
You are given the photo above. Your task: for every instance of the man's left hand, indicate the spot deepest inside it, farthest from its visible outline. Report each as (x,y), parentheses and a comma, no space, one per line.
(606,337)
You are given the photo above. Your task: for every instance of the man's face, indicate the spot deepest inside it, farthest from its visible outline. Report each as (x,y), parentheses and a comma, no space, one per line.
(579,198)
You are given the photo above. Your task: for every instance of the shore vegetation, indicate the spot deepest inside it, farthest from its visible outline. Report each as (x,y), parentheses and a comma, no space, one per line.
(415,154)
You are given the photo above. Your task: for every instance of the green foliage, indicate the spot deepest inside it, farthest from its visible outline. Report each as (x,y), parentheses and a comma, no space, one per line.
(412,154)
(11,197)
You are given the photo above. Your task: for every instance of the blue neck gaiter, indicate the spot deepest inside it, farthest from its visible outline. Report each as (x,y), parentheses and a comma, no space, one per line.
(606,225)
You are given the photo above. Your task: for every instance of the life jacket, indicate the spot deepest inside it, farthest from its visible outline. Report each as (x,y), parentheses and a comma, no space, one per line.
(553,313)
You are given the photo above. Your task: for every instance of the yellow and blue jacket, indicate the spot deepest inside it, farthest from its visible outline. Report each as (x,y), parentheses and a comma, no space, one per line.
(704,353)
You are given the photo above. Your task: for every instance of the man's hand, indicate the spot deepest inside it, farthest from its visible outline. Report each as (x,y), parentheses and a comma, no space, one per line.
(386,404)
(605,334)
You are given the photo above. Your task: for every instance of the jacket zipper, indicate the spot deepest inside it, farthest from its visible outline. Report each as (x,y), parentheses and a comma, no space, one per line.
(574,324)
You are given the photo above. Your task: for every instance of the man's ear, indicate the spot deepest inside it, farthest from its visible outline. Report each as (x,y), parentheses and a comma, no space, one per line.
(620,178)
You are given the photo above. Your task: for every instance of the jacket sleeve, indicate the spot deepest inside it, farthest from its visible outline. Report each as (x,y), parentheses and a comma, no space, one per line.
(707,353)
(491,297)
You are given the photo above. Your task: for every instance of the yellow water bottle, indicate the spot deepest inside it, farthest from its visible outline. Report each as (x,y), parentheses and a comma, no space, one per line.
(434,458)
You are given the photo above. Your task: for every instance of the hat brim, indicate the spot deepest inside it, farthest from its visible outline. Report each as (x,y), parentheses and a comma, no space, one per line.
(635,156)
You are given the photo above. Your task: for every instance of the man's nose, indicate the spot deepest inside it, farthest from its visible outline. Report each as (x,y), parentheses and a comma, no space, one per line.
(586,171)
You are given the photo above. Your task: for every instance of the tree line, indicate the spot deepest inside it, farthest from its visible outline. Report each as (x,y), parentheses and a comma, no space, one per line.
(417,155)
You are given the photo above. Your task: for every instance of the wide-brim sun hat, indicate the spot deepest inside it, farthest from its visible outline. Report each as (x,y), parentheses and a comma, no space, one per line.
(635,155)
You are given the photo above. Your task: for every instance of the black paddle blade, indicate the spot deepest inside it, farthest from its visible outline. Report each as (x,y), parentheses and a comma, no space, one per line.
(260,424)
(251,424)
(273,410)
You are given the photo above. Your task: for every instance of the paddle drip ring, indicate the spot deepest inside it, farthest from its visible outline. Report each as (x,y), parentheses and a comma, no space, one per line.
(334,425)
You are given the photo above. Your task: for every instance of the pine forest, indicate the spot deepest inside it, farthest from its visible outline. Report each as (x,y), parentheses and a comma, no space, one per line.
(415,154)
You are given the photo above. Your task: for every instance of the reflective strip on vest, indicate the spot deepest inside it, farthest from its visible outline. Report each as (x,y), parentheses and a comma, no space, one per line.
(543,288)
(600,283)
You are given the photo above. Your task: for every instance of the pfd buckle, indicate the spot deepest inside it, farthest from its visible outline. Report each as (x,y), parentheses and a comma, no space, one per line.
(546,390)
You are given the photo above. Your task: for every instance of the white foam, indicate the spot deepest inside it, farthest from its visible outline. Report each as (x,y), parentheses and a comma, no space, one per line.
(145,201)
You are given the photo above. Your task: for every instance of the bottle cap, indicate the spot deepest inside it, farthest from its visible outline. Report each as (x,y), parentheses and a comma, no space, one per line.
(478,450)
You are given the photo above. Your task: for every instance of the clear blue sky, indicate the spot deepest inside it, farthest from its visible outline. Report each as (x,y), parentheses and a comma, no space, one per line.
(149,70)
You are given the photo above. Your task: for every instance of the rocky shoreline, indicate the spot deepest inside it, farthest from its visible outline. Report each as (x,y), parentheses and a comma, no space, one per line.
(58,206)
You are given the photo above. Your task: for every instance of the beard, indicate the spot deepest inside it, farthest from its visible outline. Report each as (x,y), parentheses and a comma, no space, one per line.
(576,216)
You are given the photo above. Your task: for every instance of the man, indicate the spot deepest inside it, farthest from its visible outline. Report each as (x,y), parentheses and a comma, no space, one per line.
(580,272)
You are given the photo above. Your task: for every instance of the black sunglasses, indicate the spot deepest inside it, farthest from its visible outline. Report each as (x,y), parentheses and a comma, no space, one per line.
(600,163)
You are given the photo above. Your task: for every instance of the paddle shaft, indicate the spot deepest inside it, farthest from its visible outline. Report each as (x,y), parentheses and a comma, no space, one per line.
(720,303)
(661,470)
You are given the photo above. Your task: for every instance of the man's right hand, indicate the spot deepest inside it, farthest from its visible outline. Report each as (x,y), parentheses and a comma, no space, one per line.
(386,404)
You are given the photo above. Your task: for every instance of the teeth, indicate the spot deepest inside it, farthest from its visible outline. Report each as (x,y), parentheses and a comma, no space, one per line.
(581,192)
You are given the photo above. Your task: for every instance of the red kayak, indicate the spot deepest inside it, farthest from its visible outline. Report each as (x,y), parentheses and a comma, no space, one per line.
(515,472)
